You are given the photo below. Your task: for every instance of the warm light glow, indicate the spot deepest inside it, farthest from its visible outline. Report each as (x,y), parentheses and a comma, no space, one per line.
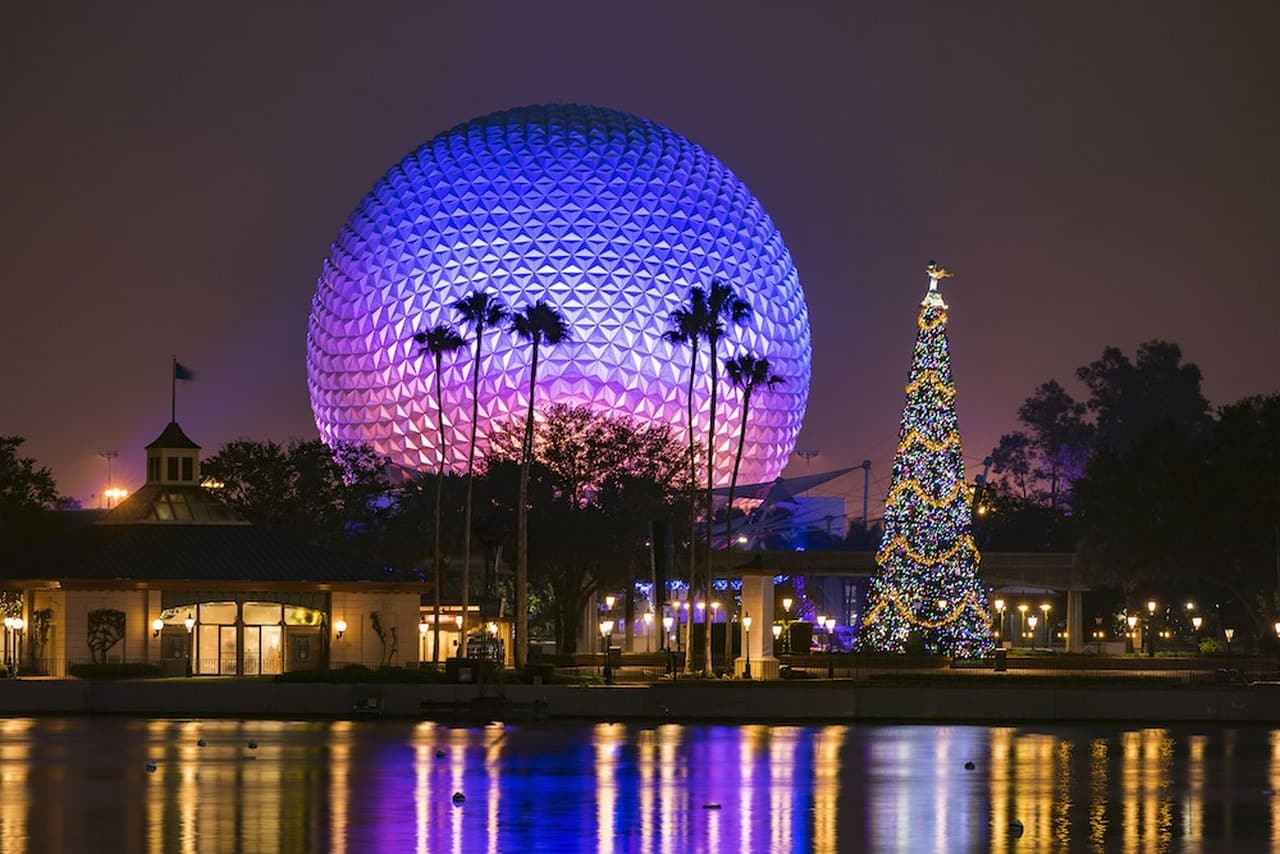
(458,621)
(1132,621)
(667,623)
(648,618)
(1023,608)
(999,604)
(1195,622)
(189,622)
(1151,606)
(1032,621)
(1046,607)
(609,600)
(831,624)
(746,624)
(1230,633)
(18,624)
(777,631)
(606,627)
(422,626)
(822,622)
(340,627)
(493,629)
(786,604)
(156,625)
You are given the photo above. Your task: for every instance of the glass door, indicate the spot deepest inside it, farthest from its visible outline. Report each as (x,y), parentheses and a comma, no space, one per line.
(227,650)
(251,647)
(272,650)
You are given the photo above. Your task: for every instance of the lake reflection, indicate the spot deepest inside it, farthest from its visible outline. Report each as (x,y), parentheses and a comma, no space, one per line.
(73,784)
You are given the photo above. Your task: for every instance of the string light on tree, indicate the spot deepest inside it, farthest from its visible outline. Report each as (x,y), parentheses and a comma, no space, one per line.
(927,582)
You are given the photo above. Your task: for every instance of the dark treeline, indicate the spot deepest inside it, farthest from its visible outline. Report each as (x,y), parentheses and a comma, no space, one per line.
(1158,495)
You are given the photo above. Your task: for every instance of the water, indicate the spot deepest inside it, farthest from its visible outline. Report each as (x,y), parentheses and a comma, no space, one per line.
(82,784)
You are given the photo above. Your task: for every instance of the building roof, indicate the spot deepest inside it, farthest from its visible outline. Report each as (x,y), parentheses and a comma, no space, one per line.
(183,552)
(172,502)
(173,437)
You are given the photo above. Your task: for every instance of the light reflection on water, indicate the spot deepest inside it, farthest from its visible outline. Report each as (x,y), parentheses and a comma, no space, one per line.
(82,783)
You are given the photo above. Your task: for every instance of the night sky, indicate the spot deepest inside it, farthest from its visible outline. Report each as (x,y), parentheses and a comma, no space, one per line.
(1095,174)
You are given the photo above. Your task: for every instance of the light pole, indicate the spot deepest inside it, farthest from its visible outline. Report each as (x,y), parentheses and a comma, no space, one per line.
(1151,628)
(831,647)
(8,634)
(190,624)
(1045,607)
(1196,622)
(1230,633)
(606,635)
(1132,620)
(746,644)
(1031,622)
(999,605)
(648,631)
(667,638)
(777,633)
(1022,631)
(786,622)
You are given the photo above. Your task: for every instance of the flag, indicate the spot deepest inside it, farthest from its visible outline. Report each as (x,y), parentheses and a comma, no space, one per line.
(182,372)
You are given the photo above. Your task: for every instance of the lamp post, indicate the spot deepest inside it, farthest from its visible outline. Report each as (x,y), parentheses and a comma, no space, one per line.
(786,621)
(1022,630)
(648,631)
(746,644)
(1151,628)
(1132,620)
(831,647)
(190,624)
(777,633)
(667,637)
(422,639)
(1031,622)
(606,634)
(999,606)
(1196,622)
(1045,608)
(8,633)
(1230,633)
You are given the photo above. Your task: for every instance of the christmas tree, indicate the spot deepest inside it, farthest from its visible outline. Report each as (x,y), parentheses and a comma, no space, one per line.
(927,582)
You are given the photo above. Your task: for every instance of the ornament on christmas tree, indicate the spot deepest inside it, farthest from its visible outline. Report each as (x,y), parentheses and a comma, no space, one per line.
(927,583)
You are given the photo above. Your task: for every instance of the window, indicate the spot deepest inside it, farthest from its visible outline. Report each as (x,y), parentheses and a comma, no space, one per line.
(172,468)
(188,468)
(301,648)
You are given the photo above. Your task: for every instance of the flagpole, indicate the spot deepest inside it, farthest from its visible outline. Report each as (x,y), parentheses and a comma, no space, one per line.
(173,390)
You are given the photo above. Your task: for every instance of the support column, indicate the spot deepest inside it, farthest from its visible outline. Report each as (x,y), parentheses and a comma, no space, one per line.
(757,600)
(1075,621)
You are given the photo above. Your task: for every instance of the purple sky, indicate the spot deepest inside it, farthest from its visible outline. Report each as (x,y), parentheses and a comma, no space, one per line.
(173,175)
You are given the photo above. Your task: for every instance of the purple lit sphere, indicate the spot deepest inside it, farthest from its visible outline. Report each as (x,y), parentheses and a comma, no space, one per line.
(608,217)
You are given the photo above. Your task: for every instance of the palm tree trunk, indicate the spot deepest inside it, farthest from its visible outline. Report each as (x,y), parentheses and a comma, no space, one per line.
(728,524)
(711,461)
(693,513)
(466,518)
(522,526)
(435,644)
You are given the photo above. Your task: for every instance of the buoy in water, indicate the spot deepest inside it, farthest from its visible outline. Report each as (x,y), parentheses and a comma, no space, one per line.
(1015,828)
(151,767)
(458,797)
(253,745)
(969,766)
(439,754)
(201,743)
(711,806)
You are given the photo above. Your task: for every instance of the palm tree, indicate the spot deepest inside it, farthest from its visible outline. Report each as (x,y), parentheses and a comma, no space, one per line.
(722,304)
(687,326)
(437,341)
(747,373)
(483,311)
(538,324)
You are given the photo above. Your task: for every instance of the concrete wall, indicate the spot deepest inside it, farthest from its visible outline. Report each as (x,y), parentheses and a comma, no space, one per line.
(742,701)
(360,644)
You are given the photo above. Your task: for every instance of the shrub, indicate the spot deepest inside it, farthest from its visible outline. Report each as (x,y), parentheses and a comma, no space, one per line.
(1212,646)
(114,671)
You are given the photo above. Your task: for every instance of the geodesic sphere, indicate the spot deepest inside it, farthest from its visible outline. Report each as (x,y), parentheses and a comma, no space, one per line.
(607,217)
